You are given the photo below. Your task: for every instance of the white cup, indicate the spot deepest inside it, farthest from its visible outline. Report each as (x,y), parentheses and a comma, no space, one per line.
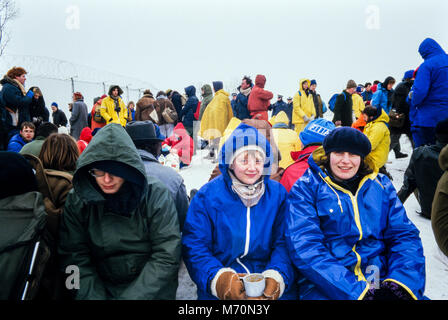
(254,284)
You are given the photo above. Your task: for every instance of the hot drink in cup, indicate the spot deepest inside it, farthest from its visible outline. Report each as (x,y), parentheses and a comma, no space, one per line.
(254,284)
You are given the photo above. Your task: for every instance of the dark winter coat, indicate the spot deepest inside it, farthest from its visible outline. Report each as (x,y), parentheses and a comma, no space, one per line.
(337,238)
(423,173)
(280,106)
(429,101)
(187,113)
(240,110)
(176,99)
(400,104)
(38,110)
(317,104)
(78,120)
(439,216)
(343,109)
(171,179)
(59,118)
(132,255)
(12,97)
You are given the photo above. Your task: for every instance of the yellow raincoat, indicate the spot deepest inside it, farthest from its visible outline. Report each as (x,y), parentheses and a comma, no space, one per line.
(286,139)
(379,136)
(358,105)
(110,115)
(303,105)
(216,116)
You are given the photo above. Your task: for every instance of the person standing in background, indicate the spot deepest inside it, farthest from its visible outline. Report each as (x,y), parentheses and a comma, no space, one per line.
(78,120)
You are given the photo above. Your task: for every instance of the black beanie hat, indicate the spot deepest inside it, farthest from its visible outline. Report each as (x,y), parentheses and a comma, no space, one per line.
(16,175)
(347,139)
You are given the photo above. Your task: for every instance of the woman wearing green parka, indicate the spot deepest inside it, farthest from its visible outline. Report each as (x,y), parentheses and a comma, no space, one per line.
(119,227)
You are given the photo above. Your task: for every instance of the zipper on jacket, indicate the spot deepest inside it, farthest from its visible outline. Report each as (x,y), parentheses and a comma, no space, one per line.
(357,270)
(246,245)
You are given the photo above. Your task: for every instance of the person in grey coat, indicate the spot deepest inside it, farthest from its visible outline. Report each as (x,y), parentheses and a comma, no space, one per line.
(79,118)
(149,146)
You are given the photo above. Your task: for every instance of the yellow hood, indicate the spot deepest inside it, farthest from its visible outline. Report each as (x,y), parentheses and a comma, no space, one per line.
(281,117)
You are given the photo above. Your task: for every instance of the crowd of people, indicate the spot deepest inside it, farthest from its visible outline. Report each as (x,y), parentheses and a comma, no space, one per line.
(304,201)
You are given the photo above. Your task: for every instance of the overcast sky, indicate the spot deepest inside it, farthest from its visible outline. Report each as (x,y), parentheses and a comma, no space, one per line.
(175,43)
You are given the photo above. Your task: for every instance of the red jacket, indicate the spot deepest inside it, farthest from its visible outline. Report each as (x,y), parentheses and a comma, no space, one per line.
(259,99)
(182,143)
(298,168)
(84,139)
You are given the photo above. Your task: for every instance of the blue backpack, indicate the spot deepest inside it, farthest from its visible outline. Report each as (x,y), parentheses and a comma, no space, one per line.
(332,101)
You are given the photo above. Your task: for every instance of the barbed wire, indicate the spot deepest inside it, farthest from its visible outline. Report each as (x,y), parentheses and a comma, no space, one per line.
(61,70)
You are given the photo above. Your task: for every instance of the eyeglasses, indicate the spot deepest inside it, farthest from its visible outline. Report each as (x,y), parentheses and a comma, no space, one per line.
(99,173)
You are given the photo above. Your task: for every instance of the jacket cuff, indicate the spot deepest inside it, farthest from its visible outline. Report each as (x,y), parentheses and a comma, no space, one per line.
(274,274)
(215,280)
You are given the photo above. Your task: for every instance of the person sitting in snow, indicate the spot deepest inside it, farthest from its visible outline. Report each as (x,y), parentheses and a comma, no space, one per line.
(235,224)
(423,171)
(346,227)
(25,136)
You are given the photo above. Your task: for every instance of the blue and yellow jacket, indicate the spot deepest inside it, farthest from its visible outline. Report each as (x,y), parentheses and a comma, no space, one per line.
(341,242)
(221,232)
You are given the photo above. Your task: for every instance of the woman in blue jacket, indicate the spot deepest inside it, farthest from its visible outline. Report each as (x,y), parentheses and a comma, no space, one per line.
(382,98)
(347,231)
(236,224)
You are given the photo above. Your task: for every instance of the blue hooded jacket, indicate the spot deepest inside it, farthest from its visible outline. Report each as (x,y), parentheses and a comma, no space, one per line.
(340,241)
(221,232)
(380,99)
(187,114)
(429,103)
(16,143)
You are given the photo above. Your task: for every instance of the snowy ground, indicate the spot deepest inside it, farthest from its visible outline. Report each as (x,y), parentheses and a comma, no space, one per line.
(198,174)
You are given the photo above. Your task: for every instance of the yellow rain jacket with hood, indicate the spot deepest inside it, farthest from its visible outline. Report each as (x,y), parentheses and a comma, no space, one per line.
(379,135)
(286,139)
(216,116)
(111,112)
(303,105)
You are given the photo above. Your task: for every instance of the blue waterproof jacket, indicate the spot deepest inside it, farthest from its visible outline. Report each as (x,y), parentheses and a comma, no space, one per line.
(380,99)
(221,232)
(187,114)
(429,103)
(340,241)
(367,95)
